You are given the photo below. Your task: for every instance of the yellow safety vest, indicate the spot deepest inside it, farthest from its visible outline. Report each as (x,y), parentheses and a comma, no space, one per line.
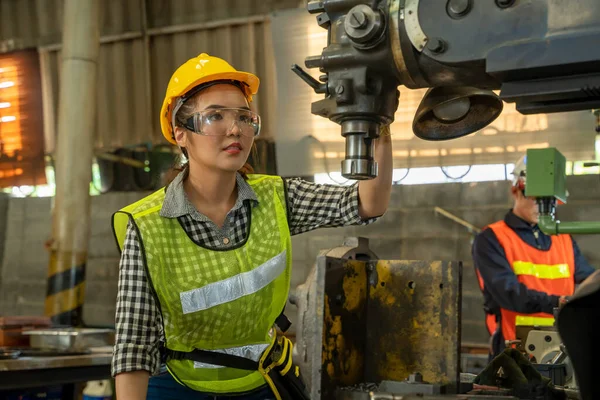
(223,301)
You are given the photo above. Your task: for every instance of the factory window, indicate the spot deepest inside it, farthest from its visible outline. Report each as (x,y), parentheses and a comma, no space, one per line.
(429,175)
(21,128)
(49,189)
(461,173)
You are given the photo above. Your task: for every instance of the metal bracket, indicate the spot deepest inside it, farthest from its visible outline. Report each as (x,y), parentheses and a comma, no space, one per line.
(410,14)
(542,345)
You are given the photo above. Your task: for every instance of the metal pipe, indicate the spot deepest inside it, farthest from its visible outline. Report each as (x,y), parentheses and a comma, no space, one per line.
(120,37)
(167,30)
(147,69)
(558,358)
(550,226)
(74,155)
(132,162)
(470,227)
(47,103)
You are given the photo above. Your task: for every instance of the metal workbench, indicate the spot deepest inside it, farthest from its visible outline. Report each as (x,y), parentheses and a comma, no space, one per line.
(32,372)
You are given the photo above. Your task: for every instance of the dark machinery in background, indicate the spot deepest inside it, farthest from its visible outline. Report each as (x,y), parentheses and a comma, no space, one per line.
(371,329)
(541,54)
(147,167)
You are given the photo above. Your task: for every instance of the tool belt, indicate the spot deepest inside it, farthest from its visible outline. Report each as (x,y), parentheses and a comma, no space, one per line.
(275,365)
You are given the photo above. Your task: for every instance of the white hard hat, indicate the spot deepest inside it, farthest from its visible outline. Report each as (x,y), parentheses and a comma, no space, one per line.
(520,172)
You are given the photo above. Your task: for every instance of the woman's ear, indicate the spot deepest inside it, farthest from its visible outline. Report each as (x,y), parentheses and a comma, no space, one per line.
(180,136)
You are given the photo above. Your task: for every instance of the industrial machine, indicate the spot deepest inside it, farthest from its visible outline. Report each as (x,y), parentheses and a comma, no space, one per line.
(370,325)
(370,329)
(546,181)
(541,54)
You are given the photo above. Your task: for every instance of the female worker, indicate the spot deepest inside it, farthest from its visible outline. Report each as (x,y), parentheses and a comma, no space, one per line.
(205,264)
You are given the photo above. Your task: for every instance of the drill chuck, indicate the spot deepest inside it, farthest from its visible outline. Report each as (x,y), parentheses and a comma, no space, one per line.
(359,163)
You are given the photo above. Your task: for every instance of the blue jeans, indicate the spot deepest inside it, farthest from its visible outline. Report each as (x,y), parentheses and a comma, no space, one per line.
(164,387)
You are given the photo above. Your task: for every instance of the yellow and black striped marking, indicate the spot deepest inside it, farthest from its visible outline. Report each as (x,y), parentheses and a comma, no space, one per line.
(66,288)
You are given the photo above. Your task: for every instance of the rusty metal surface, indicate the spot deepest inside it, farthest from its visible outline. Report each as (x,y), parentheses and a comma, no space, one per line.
(345,319)
(384,320)
(309,298)
(413,322)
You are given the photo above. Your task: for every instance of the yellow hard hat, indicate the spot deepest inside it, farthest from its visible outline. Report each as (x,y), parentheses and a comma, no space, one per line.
(197,71)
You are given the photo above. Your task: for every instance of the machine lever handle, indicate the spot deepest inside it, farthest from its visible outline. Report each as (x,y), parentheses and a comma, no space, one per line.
(317,86)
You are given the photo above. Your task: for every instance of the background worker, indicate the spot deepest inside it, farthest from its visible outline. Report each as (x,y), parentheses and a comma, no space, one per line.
(205,264)
(523,273)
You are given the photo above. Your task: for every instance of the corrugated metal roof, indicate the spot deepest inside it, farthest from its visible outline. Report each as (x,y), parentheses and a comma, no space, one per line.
(163,13)
(126,116)
(29,23)
(128,99)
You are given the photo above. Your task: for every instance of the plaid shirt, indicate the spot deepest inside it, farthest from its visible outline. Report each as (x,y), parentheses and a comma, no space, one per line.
(138,320)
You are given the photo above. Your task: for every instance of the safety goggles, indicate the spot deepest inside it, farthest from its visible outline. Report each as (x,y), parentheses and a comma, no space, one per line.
(223,121)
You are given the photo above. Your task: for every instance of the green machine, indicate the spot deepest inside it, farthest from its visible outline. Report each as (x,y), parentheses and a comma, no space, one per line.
(546,181)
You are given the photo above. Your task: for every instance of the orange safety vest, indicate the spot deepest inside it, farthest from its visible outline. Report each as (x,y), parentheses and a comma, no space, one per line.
(551,272)
(490,319)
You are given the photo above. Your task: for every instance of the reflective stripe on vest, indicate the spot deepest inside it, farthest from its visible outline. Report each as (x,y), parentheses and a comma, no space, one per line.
(234,287)
(217,300)
(550,271)
(252,352)
(542,271)
(524,320)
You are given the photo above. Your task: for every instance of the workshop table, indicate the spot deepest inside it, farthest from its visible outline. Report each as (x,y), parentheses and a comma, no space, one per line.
(35,372)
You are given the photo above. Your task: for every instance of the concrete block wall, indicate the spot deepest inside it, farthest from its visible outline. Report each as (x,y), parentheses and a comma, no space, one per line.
(25,259)
(409,230)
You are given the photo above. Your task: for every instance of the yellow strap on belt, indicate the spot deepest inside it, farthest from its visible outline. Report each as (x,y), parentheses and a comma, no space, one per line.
(542,271)
(264,370)
(523,320)
(288,357)
(285,359)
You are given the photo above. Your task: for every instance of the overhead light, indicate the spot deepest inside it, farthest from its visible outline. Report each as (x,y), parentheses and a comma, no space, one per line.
(9,118)
(4,104)
(429,153)
(451,112)
(525,147)
(462,151)
(6,84)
